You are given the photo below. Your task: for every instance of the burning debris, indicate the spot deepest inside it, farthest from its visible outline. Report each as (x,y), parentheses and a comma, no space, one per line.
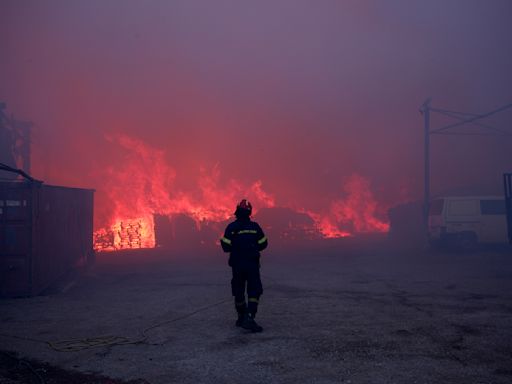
(143,187)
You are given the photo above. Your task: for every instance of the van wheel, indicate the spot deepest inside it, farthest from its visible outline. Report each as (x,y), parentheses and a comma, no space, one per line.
(467,241)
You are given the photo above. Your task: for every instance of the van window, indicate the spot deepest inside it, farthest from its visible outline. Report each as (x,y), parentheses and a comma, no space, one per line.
(463,208)
(436,208)
(493,207)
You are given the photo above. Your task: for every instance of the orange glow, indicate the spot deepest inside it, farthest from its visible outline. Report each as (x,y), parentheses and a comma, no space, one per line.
(144,186)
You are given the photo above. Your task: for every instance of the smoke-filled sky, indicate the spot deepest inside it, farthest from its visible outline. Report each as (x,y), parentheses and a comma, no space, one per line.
(298,94)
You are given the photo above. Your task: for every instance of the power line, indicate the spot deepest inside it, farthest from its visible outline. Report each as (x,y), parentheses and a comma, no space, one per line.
(454,114)
(472,133)
(474,118)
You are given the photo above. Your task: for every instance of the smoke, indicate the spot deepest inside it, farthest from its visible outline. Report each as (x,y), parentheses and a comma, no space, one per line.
(289,97)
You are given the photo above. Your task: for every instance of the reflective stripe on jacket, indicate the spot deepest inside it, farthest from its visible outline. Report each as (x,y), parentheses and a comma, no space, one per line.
(244,239)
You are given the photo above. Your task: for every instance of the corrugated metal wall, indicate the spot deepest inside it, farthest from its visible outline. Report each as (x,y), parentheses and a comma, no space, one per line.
(45,232)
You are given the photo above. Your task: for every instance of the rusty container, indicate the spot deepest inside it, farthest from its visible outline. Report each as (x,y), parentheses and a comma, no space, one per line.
(46,232)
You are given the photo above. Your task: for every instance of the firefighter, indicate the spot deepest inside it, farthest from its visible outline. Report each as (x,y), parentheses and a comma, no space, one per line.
(244,239)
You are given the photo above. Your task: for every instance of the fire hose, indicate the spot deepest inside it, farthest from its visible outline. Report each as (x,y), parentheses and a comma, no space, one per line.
(75,345)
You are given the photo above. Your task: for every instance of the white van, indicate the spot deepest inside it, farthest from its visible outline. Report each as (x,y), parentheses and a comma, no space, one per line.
(467,221)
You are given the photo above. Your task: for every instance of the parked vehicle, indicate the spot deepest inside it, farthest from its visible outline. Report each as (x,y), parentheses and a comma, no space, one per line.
(468,221)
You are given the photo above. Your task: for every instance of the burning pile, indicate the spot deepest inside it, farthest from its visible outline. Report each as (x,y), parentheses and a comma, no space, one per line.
(138,233)
(129,222)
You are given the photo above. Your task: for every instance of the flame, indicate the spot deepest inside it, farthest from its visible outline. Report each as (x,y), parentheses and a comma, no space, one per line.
(328,227)
(357,212)
(142,185)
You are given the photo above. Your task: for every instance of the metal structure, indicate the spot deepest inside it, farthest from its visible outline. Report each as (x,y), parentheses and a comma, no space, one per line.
(507,182)
(45,232)
(463,118)
(15,141)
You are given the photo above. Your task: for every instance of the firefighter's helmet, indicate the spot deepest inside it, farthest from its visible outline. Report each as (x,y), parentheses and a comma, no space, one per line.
(244,208)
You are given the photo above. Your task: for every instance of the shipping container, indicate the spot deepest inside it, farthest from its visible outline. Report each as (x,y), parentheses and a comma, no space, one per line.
(46,232)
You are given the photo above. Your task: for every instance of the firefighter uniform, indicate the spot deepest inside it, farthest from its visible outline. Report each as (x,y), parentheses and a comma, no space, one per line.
(244,239)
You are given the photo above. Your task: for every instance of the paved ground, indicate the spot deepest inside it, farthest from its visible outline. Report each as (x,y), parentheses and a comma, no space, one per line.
(346,313)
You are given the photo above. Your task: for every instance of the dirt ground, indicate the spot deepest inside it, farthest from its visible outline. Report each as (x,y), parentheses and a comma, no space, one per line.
(344,313)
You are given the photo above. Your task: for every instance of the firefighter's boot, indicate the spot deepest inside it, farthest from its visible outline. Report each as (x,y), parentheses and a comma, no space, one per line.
(240,319)
(241,308)
(250,324)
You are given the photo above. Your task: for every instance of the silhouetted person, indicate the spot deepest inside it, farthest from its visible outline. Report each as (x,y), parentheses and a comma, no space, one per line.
(244,239)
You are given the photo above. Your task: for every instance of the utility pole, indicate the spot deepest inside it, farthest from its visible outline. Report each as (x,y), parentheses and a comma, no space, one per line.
(507,181)
(22,146)
(425,110)
(14,141)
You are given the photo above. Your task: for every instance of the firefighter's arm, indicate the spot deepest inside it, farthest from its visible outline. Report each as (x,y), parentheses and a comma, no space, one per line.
(262,240)
(225,241)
